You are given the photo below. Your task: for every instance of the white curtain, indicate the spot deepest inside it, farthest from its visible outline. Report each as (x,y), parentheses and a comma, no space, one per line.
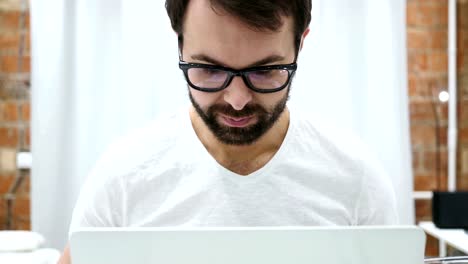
(353,71)
(102,67)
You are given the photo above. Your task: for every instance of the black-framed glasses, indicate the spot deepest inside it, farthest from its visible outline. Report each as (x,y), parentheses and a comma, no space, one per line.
(261,79)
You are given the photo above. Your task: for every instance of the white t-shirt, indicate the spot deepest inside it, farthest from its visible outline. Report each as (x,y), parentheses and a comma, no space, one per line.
(163,176)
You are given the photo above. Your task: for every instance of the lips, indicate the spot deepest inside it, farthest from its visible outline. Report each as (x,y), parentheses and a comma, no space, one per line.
(237,121)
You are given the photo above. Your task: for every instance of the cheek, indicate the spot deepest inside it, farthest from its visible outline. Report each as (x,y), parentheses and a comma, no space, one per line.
(270,100)
(204,99)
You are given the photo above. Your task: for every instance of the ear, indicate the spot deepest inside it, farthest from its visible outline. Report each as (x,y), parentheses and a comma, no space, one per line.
(304,35)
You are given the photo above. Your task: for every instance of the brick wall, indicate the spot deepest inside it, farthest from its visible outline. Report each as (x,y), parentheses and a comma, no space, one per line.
(427,33)
(14,107)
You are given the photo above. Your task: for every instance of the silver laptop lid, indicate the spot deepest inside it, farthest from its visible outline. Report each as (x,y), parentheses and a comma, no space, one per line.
(269,245)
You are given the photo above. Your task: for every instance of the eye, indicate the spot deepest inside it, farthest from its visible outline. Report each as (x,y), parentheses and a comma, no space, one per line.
(209,71)
(260,75)
(263,73)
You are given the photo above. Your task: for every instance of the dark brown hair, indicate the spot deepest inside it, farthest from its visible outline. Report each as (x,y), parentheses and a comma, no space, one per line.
(258,14)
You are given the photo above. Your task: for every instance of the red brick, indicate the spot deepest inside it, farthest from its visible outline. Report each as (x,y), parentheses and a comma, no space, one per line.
(439,39)
(417,39)
(422,135)
(461,42)
(420,39)
(416,158)
(461,61)
(427,13)
(9,41)
(462,174)
(10,20)
(9,137)
(425,135)
(423,210)
(462,182)
(27,42)
(437,61)
(5,183)
(27,137)
(26,111)
(9,64)
(443,112)
(26,64)
(417,62)
(25,188)
(434,61)
(463,104)
(463,87)
(426,86)
(462,10)
(463,39)
(428,182)
(428,111)
(21,207)
(412,13)
(21,219)
(421,111)
(413,86)
(463,134)
(443,135)
(9,111)
(3,208)
(27,20)
(22,223)
(432,247)
(430,162)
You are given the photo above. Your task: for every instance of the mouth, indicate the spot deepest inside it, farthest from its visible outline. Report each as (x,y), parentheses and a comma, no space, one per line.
(237,121)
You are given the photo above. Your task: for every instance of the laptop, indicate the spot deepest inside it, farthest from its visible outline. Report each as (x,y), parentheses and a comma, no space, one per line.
(259,245)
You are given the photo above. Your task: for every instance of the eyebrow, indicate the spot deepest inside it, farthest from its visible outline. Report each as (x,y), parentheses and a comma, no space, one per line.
(267,60)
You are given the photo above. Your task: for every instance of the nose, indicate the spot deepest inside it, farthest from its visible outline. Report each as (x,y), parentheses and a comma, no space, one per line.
(237,94)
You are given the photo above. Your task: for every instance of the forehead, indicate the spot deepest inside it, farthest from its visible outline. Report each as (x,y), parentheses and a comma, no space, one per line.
(226,38)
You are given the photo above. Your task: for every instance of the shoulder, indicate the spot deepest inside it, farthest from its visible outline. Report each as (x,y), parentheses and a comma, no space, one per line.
(333,142)
(128,160)
(349,157)
(151,141)
(138,153)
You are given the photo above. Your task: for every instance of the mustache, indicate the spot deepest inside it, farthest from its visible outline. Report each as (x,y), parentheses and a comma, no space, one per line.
(228,110)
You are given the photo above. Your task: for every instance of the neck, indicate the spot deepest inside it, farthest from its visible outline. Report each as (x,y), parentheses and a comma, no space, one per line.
(268,144)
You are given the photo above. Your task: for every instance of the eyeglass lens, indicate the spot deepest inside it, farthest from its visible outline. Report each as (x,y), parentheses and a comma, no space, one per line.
(213,78)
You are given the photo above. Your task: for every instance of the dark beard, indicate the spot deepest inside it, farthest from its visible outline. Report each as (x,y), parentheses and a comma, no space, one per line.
(240,135)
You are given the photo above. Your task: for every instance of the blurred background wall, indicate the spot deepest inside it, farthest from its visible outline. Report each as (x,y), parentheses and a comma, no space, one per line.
(14,107)
(427,23)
